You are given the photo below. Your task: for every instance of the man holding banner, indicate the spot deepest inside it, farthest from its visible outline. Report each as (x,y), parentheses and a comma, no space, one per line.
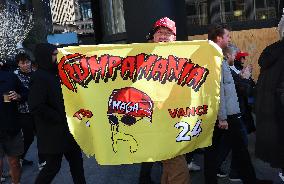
(175,170)
(134,103)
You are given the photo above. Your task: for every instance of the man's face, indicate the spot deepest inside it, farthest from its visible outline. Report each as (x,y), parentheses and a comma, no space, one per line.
(223,41)
(163,34)
(230,58)
(25,66)
(243,60)
(54,56)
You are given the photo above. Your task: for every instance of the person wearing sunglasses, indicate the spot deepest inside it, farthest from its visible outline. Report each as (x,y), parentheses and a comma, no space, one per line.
(175,170)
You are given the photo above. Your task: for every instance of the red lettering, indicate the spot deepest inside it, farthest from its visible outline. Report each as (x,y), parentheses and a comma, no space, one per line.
(71,72)
(83,113)
(128,66)
(180,113)
(205,108)
(77,115)
(159,69)
(98,65)
(63,74)
(86,113)
(145,65)
(173,114)
(113,62)
(195,77)
(187,68)
(198,112)
(81,70)
(175,67)
(153,67)
(190,111)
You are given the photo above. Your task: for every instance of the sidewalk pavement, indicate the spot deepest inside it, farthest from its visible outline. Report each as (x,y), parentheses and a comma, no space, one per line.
(129,174)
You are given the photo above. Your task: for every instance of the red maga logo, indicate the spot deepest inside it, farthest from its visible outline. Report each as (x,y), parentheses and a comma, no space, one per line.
(126,107)
(80,69)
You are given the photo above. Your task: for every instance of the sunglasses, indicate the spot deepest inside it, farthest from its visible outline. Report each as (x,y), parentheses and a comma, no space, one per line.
(125,119)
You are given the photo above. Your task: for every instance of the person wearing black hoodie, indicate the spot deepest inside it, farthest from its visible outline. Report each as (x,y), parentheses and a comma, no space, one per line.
(47,107)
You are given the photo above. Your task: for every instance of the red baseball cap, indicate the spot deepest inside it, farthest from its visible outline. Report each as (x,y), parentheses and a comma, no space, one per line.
(241,54)
(166,22)
(123,101)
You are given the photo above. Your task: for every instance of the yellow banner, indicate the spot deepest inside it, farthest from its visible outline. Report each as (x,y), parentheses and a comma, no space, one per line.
(141,102)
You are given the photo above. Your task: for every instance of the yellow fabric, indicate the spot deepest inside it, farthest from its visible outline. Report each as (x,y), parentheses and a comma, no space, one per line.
(163,128)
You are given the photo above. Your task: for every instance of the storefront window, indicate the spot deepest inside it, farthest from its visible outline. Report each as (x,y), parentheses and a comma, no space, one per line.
(86,10)
(233,10)
(230,10)
(113,16)
(265,9)
(242,10)
(196,12)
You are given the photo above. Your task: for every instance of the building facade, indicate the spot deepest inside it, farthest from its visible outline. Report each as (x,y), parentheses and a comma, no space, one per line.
(64,11)
(72,16)
(253,21)
(130,18)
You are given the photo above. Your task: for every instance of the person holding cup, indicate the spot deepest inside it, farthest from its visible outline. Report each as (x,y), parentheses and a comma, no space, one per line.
(6,97)
(11,141)
(9,96)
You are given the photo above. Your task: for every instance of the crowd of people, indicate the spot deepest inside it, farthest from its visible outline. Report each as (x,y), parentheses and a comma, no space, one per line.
(32,105)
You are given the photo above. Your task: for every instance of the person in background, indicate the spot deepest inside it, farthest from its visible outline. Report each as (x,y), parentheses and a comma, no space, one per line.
(47,106)
(25,118)
(229,117)
(240,59)
(11,142)
(24,73)
(270,104)
(2,178)
(243,87)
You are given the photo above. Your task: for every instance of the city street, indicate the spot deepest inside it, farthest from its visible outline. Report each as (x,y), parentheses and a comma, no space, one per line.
(129,174)
(148,74)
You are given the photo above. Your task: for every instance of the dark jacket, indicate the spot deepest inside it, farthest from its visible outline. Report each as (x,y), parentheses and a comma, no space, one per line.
(46,105)
(244,88)
(270,106)
(8,111)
